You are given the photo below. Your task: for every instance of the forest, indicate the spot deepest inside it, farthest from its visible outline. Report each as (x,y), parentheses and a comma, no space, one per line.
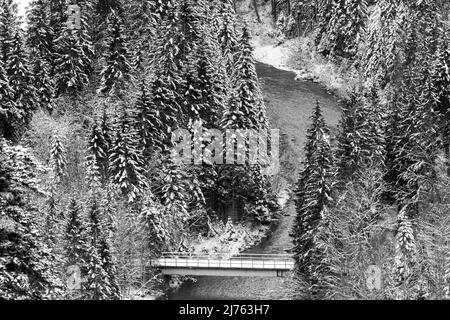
(92,92)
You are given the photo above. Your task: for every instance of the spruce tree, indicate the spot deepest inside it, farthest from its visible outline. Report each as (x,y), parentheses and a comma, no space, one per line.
(246,84)
(97,154)
(8,28)
(26,263)
(150,126)
(21,83)
(71,64)
(227,34)
(116,70)
(213,81)
(108,265)
(313,198)
(9,114)
(76,238)
(126,166)
(58,160)
(167,87)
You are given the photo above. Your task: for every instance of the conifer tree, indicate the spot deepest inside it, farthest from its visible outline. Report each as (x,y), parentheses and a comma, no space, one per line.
(360,144)
(116,71)
(150,126)
(97,279)
(58,159)
(76,238)
(313,197)
(212,80)
(58,16)
(142,24)
(126,165)
(39,39)
(246,84)
(39,32)
(227,34)
(20,81)
(8,28)
(168,86)
(191,22)
(26,264)
(9,114)
(108,265)
(71,64)
(97,153)
(441,80)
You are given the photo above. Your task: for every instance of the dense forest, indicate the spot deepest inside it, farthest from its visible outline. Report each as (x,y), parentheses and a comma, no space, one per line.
(92,91)
(88,106)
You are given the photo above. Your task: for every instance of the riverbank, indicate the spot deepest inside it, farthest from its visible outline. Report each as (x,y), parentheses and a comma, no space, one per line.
(300,56)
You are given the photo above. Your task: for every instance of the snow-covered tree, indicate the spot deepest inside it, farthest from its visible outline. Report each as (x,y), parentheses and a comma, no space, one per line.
(313,199)
(58,160)
(71,64)
(20,80)
(76,238)
(116,71)
(9,114)
(126,164)
(227,33)
(246,84)
(26,264)
(149,124)
(97,154)
(8,28)
(166,89)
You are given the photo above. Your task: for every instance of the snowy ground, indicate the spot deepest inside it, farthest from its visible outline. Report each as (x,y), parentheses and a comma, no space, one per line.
(279,56)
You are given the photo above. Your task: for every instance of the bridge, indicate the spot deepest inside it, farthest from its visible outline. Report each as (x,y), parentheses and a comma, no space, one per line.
(241,265)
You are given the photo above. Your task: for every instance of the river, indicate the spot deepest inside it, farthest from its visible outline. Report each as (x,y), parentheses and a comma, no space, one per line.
(289,107)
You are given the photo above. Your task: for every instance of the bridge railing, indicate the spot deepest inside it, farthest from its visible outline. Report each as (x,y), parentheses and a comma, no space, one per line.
(224,261)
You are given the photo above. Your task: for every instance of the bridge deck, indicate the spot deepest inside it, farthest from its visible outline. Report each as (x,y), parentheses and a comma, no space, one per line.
(243,261)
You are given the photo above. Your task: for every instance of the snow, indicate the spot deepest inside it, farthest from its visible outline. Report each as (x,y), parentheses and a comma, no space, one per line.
(274,55)
(278,56)
(22,4)
(231,239)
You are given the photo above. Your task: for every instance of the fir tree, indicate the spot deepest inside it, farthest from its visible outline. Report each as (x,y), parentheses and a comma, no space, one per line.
(191,22)
(150,126)
(39,32)
(20,81)
(71,64)
(313,197)
(39,39)
(9,114)
(116,71)
(97,279)
(8,28)
(227,34)
(58,159)
(26,264)
(168,84)
(246,84)
(212,82)
(142,24)
(76,238)
(108,265)
(126,166)
(96,159)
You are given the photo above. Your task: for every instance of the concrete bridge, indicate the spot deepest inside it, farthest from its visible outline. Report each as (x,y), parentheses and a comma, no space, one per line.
(241,265)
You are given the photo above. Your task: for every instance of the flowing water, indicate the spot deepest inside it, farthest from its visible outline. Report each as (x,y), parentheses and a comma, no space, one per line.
(289,106)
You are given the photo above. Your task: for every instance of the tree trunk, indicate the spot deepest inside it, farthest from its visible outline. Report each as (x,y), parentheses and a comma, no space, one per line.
(255,4)
(288,4)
